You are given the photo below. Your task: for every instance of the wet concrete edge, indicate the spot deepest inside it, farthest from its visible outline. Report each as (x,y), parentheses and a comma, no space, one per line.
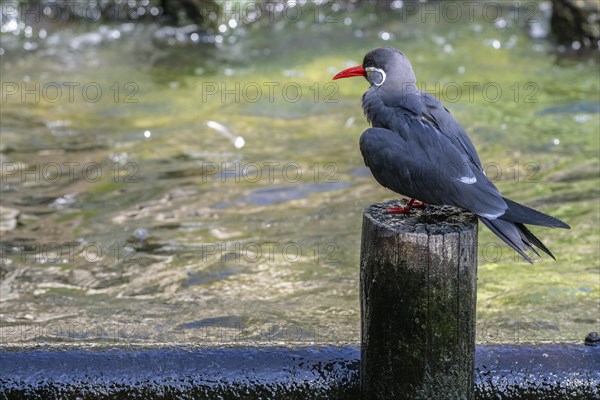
(272,372)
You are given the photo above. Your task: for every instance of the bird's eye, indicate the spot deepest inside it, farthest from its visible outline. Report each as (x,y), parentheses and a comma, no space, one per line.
(376,76)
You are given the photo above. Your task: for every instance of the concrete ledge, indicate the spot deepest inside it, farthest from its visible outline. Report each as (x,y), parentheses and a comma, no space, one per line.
(537,372)
(272,372)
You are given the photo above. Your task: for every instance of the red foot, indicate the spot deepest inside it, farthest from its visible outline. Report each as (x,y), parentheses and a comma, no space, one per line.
(412,203)
(417,204)
(398,210)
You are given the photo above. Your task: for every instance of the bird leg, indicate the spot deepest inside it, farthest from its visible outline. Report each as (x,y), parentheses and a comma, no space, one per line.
(412,203)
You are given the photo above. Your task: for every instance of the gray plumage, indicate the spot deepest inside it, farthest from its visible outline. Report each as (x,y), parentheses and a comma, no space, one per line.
(415,147)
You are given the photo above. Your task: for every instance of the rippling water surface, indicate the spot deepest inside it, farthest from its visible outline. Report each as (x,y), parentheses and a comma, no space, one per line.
(157,186)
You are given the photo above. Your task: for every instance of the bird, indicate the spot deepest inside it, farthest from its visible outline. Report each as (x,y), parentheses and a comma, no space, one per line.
(416,148)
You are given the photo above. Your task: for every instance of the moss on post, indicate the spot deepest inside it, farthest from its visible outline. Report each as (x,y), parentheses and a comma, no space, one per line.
(418,282)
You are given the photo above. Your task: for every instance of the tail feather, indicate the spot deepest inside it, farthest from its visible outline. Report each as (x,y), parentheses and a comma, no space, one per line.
(518,213)
(532,239)
(513,236)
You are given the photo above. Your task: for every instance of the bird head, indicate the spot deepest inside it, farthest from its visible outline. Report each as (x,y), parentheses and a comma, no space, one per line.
(385,68)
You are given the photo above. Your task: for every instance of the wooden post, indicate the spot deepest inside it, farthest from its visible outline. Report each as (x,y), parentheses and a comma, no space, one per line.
(418,285)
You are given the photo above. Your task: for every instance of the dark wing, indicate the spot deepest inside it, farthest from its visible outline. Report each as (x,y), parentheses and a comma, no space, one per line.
(518,213)
(421,162)
(430,108)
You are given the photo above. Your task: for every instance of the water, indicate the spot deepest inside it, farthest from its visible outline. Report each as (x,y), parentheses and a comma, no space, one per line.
(129,216)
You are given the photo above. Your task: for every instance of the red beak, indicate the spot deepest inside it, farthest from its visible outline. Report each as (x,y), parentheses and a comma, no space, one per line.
(349,72)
